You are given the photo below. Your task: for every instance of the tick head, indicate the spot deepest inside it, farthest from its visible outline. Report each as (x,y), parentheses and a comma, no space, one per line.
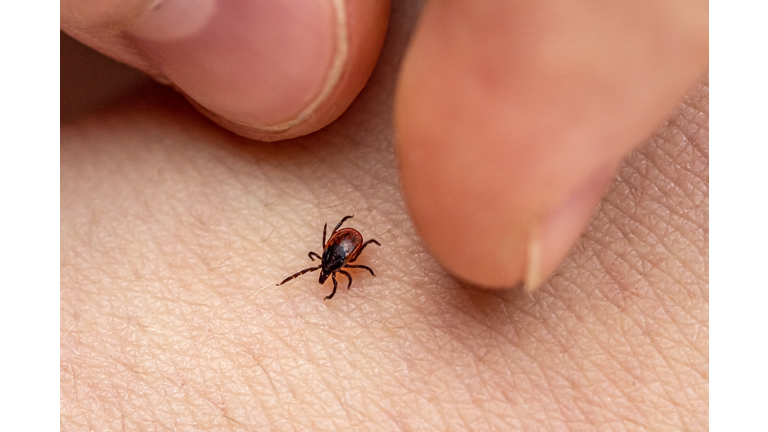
(323,276)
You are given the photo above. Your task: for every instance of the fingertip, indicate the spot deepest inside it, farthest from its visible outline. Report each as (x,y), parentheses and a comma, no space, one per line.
(510,120)
(270,70)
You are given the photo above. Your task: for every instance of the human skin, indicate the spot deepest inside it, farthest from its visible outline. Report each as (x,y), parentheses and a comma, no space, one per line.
(175,231)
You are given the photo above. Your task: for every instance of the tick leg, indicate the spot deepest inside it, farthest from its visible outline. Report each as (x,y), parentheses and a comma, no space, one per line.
(325,227)
(311,254)
(363,247)
(306,270)
(359,266)
(333,276)
(341,222)
(349,276)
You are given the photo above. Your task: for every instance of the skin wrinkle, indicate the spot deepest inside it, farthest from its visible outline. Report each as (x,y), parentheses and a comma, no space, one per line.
(609,353)
(672,317)
(575,389)
(340,406)
(553,391)
(386,409)
(691,244)
(658,350)
(682,216)
(478,369)
(410,365)
(393,391)
(670,252)
(280,397)
(531,357)
(628,261)
(279,420)
(680,156)
(571,387)
(256,392)
(609,273)
(678,202)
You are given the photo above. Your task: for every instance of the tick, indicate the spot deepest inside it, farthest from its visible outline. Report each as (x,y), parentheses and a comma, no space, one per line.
(342,248)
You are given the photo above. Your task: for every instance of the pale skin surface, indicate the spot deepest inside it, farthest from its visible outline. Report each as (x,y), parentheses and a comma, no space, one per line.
(174,232)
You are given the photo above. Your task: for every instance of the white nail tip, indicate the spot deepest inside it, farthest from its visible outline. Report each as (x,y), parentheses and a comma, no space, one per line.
(533,279)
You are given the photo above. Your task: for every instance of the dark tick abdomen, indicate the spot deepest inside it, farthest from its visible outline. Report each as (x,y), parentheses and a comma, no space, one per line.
(334,257)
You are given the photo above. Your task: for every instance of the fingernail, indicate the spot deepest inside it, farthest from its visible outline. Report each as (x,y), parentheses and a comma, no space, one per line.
(550,240)
(266,64)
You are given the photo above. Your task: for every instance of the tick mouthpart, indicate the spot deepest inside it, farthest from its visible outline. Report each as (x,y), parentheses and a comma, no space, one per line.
(323,277)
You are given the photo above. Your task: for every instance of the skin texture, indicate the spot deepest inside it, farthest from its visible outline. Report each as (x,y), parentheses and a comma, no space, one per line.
(174,232)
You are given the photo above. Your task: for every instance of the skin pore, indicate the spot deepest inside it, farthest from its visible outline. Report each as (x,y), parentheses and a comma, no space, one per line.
(175,231)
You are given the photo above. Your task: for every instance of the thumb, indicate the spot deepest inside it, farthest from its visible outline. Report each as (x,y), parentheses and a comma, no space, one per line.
(511,118)
(268,69)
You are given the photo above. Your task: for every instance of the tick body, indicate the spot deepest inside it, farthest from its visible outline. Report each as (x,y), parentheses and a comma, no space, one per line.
(339,252)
